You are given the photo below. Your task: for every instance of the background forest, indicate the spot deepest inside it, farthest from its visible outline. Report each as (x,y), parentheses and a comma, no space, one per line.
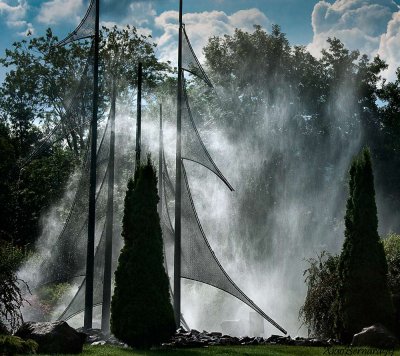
(288,124)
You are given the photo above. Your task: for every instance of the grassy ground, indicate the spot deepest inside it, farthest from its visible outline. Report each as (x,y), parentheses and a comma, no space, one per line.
(235,351)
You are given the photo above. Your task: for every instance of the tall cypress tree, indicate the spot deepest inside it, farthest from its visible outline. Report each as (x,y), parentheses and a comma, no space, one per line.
(141,310)
(363,294)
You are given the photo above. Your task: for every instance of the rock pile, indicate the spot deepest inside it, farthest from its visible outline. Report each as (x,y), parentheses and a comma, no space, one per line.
(195,338)
(97,337)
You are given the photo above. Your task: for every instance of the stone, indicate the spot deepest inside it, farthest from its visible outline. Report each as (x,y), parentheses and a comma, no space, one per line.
(204,339)
(92,335)
(375,336)
(53,338)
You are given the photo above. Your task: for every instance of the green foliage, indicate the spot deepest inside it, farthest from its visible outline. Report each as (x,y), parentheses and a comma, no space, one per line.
(141,311)
(11,345)
(11,298)
(46,299)
(391,245)
(363,296)
(322,280)
(121,51)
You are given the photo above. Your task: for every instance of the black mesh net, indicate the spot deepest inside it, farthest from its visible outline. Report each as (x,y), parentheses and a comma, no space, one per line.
(85,29)
(66,258)
(167,217)
(168,193)
(199,262)
(190,63)
(193,148)
(77,303)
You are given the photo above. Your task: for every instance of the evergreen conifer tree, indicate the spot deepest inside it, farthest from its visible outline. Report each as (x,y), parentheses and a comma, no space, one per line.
(363,295)
(141,310)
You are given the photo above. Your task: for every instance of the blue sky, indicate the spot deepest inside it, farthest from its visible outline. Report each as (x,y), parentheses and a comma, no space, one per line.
(373,26)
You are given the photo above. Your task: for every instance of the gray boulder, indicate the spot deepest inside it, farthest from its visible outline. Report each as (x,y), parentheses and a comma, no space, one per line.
(53,338)
(375,336)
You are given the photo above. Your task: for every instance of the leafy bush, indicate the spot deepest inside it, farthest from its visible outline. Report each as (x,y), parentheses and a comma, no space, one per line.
(11,299)
(322,280)
(11,345)
(391,245)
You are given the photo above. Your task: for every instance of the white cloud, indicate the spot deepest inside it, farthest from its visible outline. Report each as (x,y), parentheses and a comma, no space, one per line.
(15,15)
(389,45)
(55,11)
(139,14)
(201,26)
(368,25)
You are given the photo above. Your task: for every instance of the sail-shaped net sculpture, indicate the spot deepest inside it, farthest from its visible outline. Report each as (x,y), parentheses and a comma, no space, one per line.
(86,28)
(63,257)
(198,260)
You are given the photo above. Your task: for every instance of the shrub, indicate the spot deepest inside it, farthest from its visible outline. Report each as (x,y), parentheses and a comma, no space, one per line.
(322,279)
(141,310)
(11,345)
(391,245)
(11,299)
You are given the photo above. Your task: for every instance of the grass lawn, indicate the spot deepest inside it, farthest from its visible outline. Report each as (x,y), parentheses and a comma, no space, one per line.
(235,351)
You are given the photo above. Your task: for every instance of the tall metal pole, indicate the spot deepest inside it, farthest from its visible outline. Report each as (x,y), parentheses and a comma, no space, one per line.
(160,165)
(106,305)
(92,185)
(139,116)
(178,193)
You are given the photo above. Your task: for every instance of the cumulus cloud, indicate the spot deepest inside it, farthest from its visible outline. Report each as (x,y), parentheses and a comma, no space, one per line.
(55,11)
(14,16)
(368,25)
(389,46)
(201,26)
(137,13)
(14,13)
(118,8)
